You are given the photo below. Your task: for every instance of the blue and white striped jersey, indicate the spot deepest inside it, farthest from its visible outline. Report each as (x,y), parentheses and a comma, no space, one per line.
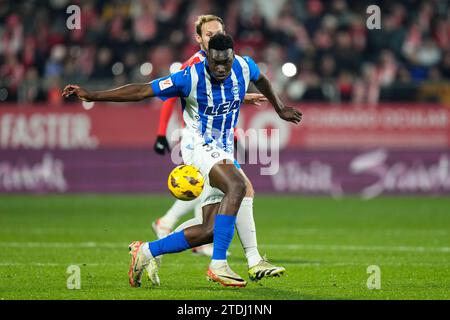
(210,107)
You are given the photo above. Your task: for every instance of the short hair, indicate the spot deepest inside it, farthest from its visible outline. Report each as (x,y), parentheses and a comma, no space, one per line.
(201,20)
(220,41)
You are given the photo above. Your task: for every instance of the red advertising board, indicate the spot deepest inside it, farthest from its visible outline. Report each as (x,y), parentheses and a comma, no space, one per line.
(323,126)
(337,150)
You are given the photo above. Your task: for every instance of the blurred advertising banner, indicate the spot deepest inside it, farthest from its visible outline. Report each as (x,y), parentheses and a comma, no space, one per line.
(365,173)
(337,150)
(334,127)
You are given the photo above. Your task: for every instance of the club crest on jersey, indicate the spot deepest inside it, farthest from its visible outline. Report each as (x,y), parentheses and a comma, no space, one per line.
(235,90)
(165,84)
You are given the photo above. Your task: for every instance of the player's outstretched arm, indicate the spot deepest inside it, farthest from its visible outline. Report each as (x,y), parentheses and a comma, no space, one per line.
(129,92)
(285,113)
(254,98)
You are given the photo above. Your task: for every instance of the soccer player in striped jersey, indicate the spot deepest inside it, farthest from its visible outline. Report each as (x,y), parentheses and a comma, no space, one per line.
(211,93)
(205,27)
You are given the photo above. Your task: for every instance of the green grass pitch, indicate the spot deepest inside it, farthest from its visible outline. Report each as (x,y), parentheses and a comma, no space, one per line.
(326,246)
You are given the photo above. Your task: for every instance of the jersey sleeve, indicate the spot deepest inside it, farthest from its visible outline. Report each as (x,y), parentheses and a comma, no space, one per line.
(254,69)
(168,105)
(177,84)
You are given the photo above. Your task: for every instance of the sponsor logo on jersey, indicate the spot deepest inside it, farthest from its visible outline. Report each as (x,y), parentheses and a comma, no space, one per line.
(165,84)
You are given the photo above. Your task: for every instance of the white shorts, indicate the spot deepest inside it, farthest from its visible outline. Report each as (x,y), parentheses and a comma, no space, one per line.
(204,156)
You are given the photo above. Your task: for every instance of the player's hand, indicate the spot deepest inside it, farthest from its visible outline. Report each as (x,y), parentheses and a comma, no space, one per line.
(161,145)
(72,89)
(290,114)
(254,98)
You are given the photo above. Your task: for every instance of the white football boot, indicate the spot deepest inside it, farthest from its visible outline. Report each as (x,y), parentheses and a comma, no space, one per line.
(225,276)
(139,263)
(264,269)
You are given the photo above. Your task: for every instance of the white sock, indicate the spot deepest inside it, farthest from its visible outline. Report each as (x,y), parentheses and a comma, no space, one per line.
(145,248)
(245,226)
(194,221)
(178,209)
(189,223)
(217,263)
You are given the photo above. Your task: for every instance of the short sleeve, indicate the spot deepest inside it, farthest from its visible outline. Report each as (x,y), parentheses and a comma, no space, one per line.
(177,84)
(254,69)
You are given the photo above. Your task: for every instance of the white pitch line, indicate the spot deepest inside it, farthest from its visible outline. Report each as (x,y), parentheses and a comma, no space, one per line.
(43,231)
(321,247)
(63,245)
(359,248)
(197,264)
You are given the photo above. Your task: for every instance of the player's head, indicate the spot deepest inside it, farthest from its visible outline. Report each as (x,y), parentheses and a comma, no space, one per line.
(205,27)
(220,55)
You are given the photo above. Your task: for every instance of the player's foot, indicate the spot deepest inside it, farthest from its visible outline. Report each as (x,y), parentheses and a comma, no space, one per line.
(160,229)
(152,270)
(225,276)
(205,250)
(264,269)
(139,262)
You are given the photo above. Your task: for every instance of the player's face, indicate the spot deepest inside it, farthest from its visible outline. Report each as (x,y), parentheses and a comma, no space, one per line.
(220,63)
(209,29)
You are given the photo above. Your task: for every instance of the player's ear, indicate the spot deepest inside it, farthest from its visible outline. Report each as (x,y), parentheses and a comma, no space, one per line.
(198,39)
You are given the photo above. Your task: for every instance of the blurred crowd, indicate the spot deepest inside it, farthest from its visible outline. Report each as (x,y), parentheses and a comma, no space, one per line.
(332,55)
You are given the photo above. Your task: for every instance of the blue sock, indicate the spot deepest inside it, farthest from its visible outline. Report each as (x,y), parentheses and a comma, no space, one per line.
(174,242)
(223,234)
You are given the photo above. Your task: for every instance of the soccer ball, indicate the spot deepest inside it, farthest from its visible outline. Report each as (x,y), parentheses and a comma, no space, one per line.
(185,182)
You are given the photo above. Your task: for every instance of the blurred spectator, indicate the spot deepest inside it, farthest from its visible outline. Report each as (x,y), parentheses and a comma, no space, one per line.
(144,20)
(337,57)
(54,91)
(103,63)
(347,59)
(445,65)
(345,85)
(367,89)
(386,70)
(12,38)
(428,53)
(29,89)
(12,74)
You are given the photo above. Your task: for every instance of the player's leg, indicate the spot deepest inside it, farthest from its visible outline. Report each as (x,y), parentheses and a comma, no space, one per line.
(217,225)
(227,178)
(218,168)
(165,224)
(188,223)
(245,224)
(152,269)
(203,250)
(198,212)
(258,267)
